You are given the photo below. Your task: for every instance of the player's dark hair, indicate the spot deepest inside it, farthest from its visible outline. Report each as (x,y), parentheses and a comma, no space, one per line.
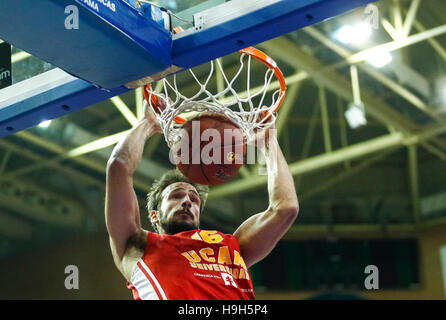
(172,176)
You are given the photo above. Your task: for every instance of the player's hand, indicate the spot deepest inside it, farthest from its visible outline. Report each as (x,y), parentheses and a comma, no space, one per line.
(158,105)
(262,136)
(150,116)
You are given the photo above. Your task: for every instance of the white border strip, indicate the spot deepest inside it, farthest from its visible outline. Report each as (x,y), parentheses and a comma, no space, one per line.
(153,279)
(222,13)
(443,267)
(143,285)
(28,88)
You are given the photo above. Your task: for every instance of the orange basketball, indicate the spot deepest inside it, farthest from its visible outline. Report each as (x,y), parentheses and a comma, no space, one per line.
(211,149)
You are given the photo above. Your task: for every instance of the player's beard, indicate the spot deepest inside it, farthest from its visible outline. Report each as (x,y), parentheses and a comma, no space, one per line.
(174,226)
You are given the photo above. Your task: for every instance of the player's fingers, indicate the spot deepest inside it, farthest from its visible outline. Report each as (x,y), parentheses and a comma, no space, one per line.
(163,102)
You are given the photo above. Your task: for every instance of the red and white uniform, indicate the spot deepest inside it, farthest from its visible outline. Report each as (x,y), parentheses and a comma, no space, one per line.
(191,265)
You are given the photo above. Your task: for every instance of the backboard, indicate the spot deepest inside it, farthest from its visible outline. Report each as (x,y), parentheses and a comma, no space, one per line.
(40,91)
(91,50)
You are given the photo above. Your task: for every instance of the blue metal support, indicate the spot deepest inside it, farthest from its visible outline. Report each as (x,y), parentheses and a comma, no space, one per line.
(52,103)
(247,30)
(114,43)
(117,43)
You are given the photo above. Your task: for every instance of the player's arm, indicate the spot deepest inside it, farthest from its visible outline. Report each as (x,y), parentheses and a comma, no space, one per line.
(121,206)
(259,234)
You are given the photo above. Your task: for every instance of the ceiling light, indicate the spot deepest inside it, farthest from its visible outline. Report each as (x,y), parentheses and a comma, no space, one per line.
(353,34)
(380,58)
(355,115)
(363,31)
(440,91)
(344,34)
(44,124)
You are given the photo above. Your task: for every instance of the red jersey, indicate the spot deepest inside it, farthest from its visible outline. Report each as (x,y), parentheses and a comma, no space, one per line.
(191,265)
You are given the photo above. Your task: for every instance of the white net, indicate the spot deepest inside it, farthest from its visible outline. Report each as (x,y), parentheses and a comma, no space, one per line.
(240,108)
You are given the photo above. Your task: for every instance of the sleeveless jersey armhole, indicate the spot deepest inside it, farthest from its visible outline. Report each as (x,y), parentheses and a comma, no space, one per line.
(151,238)
(236,242)
(135,268)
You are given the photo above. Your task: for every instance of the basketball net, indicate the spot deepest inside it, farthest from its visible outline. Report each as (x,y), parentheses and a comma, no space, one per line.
(240,109)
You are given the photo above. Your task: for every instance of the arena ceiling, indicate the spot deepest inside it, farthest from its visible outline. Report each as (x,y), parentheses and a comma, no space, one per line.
(385,177)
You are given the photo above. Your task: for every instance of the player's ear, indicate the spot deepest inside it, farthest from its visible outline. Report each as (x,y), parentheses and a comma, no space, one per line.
(154,216)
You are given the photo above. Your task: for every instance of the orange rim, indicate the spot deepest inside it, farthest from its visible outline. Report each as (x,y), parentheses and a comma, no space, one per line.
(270,63)
(253,52)
(148,88)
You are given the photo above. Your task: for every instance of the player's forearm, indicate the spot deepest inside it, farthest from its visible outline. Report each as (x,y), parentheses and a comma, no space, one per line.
(128,152)
(281,190)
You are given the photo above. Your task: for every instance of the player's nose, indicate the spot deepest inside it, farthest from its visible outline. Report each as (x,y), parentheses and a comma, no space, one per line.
(187,203)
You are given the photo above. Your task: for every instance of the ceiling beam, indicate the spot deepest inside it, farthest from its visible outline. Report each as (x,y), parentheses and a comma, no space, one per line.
(5,160)
(208,218)
(308,139)
(325,121)
(36,203)
(381,78)
(390,29)
(408,22)
(375,106)
(414,182)
(432,149)
(343,127)
(335,157)
(395,45)
(15,228)
(125,110)
(335,82)
(360,231)
(19,56)
(288,104)
(59,167)
(350,231)
(432,41)
(146,172)
(397,16)
(347,173)
(389,83)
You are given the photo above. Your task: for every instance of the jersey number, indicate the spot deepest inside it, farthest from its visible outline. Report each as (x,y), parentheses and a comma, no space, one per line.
(228,279)
(208,236)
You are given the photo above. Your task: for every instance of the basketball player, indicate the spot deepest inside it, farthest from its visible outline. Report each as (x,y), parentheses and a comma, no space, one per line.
(179,261)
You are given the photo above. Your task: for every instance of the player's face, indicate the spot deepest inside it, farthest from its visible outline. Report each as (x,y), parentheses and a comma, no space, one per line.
(180,208)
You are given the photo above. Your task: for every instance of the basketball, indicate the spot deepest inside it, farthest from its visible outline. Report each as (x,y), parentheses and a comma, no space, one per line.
(211,149)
